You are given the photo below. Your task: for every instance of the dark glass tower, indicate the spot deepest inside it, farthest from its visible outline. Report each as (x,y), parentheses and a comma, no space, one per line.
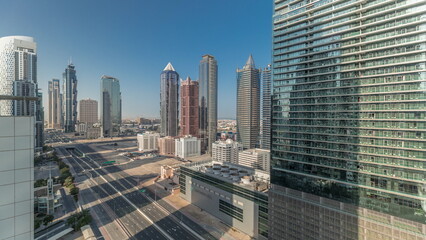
(70,98)
(169,101)
(208,102)
(349,120)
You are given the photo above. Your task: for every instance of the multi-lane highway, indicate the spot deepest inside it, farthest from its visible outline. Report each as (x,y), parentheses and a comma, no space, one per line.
(137,215)
(128,182)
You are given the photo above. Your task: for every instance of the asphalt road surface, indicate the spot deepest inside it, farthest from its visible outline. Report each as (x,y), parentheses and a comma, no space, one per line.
(133,222)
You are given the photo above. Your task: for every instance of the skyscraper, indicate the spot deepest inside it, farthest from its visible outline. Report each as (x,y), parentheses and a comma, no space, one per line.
(208,102)
(55,104)
(39,121)
(18,77)
(18,74)
(110,106)
(88,111)
(248,104)
(169,101)
(265,109)
(69,98)
(348,121)
(189,107)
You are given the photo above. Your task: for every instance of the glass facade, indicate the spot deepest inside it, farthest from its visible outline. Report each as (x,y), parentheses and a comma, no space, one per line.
(207,102)
(169,101)
(110,106)
(248,105)
(69,98)
(265,109)
(348,107)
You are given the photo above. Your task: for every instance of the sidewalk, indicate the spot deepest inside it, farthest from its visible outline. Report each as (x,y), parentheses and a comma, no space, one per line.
(204,219)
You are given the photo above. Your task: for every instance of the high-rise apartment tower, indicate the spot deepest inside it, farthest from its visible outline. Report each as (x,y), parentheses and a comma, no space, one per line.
(208,102)
(265,109)
(69,98)
(189,107)
(88,111)
(348,120)
(54,104)
(18,77)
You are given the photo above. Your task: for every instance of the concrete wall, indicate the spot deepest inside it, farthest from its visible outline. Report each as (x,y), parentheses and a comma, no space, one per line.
(208,200)
(16,178)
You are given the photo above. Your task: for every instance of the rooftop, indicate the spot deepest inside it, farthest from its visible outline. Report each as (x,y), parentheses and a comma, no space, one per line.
(242,176)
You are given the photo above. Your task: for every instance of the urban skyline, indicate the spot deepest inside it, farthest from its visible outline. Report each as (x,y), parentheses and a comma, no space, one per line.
(329,140)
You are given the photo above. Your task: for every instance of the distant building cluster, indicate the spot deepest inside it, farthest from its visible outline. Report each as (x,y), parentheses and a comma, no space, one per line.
(196,105)
(62,107)
(182,147)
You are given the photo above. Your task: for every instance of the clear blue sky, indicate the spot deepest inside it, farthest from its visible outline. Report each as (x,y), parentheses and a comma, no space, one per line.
(133,40)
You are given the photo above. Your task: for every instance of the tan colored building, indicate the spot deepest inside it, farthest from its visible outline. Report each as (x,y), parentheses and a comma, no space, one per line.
(255,158)
(166,146)
(88,111)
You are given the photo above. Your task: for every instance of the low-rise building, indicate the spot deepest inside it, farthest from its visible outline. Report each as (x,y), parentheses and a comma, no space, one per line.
(256,158)
(93,132)
(188,146)
(226,151)
(166,146)
(235,194)
(148,141)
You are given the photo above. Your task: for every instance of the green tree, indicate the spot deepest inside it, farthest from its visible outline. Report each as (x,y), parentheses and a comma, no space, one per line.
(80,219)
(64,170)
(37,223)
(74,190)
(40,183)
(48,219)
(68,182)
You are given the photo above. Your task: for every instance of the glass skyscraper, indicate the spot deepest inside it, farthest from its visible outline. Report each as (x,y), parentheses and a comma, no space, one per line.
(169,101)
(110,106)
(248,104)
(349,120)
(208,102)
(69,98)
(265,109)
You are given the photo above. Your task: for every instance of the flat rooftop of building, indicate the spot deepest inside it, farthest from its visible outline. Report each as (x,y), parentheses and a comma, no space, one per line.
(242,176)
(257,150)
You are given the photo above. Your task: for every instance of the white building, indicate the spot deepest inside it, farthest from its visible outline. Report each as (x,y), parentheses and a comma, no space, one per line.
(255,158)
(226,151)
(148,141)
(235,194)
(188,146)
(17,178)
(18,62)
